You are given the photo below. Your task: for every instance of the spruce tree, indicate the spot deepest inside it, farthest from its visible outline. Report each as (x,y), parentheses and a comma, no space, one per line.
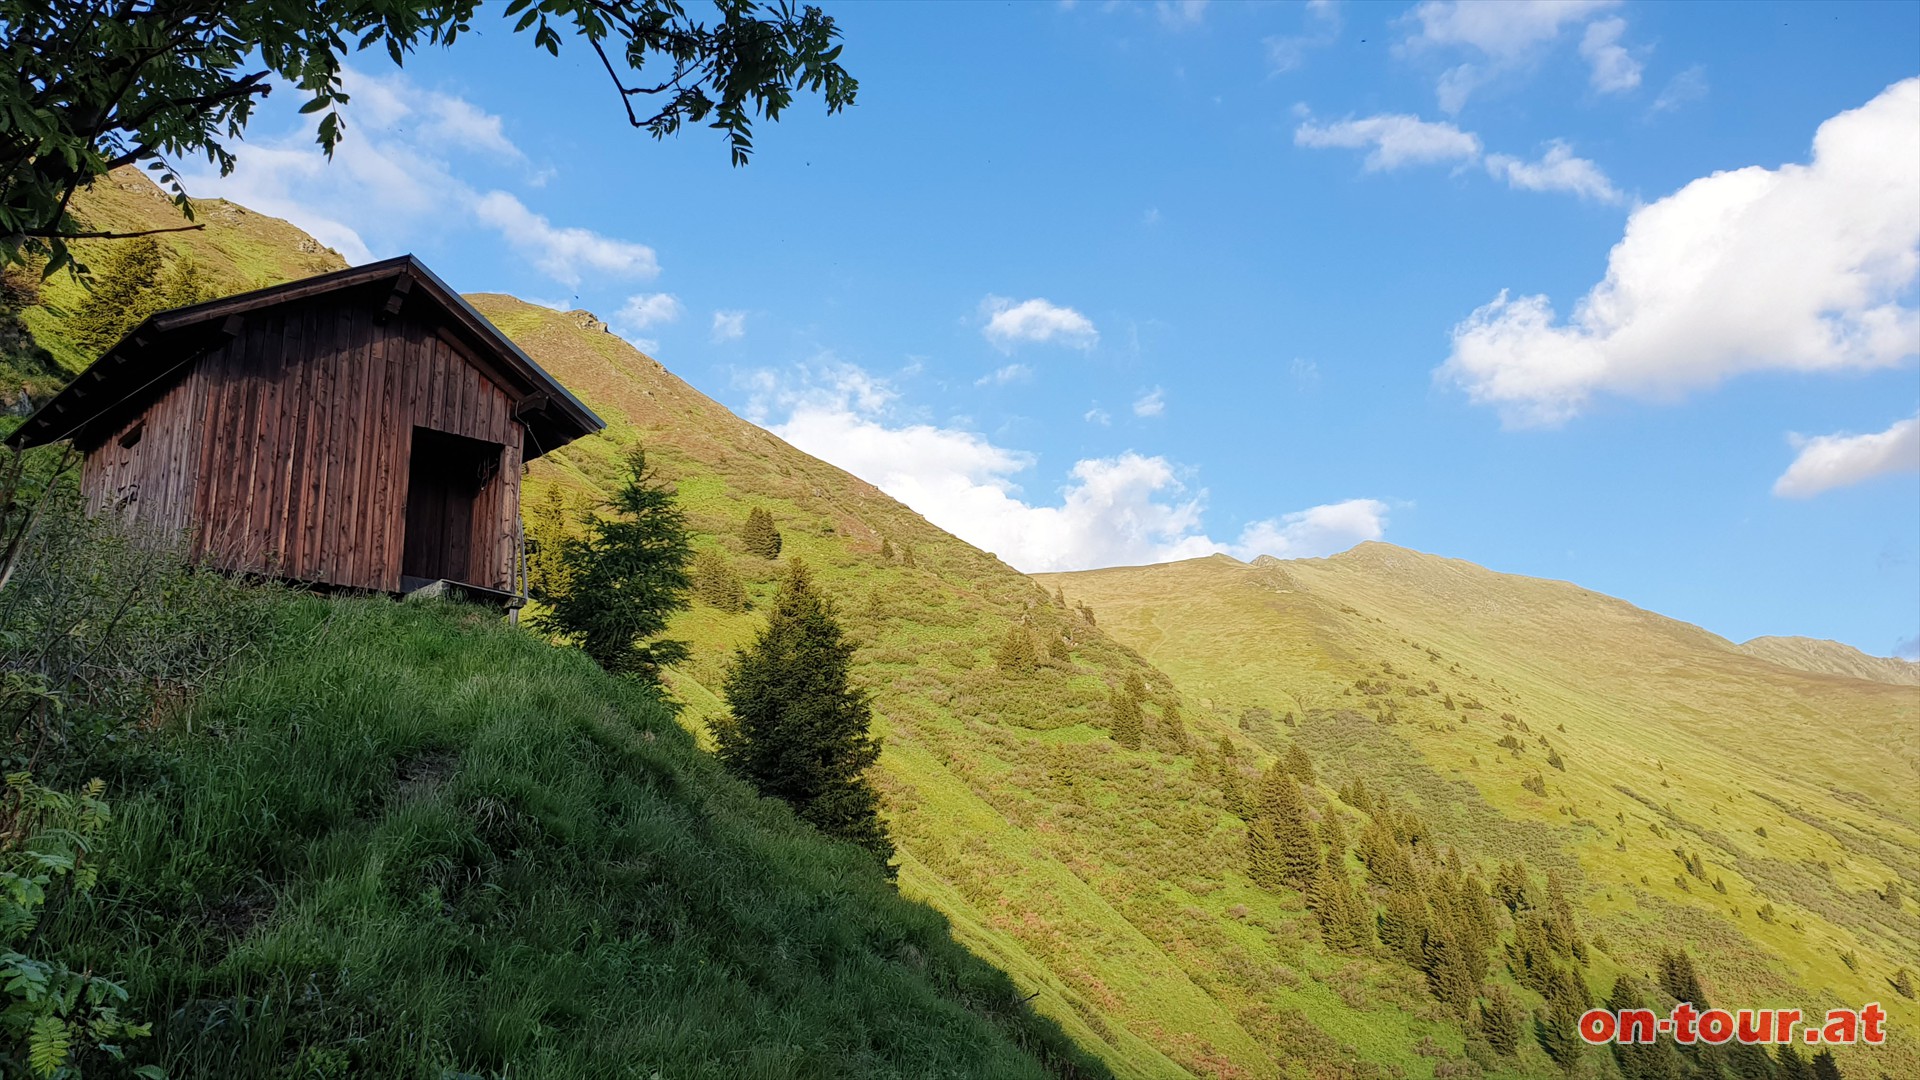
(1285,812)
(1017,655)
(1298,764)
(799,728)
(1231,792)
(1903,983)
(1790,1065)
(546,546)
(1135,687)
(624,578)
(886,550)
(1173,729)
(1342,914)
(121,295)
(1679,979)
(1333,832)
(1558,1036)
(181,285)
(759,536)
(1127,724)
(715,583)
(1501,1019)
(1824,1067)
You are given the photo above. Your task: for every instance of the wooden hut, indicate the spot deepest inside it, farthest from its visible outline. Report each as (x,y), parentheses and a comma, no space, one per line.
(363,430)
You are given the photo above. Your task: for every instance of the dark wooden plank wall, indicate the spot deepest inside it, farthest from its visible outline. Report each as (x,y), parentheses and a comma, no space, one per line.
(299,430)
(152,482)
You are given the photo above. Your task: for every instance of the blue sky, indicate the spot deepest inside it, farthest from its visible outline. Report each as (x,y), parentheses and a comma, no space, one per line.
(1563,289)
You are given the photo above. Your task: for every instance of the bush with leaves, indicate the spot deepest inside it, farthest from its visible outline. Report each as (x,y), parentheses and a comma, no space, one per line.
(53,1019)
(103,626)
(624,578)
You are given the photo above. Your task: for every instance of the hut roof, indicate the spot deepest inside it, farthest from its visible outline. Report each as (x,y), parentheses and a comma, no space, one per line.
(118,385)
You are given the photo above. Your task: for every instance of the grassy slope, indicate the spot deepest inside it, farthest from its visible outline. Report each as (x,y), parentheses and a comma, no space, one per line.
(1109,883)
(413,842)
(1832,658)
(1659,722)
(1087,897)
(237,251)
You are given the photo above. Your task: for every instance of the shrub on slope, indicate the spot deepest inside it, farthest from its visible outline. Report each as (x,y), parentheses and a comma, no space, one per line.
(414,843)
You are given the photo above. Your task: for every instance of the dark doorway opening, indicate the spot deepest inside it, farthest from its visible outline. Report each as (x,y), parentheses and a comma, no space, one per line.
(444,475)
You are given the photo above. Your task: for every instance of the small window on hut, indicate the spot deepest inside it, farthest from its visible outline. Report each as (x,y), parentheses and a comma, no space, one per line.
(132,438)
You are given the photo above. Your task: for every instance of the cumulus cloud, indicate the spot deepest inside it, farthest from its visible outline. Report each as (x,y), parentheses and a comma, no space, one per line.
(399,175)
(1557,170)
(1688,86)
(1151,403)
(565,253)
(1392,140)
(1036,320)
(1001,376)
(1122,509)
(1826,462)
(1799,268)
(1313,533)
(1615,70)
(1507,37)
(644,311)
(729,326)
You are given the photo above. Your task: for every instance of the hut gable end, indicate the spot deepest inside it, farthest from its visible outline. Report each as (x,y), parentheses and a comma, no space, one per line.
(364,429)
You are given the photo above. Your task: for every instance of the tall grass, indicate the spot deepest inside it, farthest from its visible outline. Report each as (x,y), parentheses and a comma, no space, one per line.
(410,842)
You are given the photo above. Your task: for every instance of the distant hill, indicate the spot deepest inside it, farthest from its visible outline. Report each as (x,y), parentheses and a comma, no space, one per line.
(1112,884)
(1800,794)
(1832,658)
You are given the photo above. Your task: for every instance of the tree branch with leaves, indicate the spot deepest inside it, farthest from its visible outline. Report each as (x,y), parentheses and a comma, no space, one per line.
(97,84)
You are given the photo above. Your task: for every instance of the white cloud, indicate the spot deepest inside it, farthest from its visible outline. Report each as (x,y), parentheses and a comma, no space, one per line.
(1001,376)
(1557,170)
(1799,268)
(1395,140)
(1826,462)
(1151,403)
(1124,509)
(1098,415)
(643,311)
(729,325)
(565,253)
(1035,320)
(1690,85)
(1310,534)
(1506,36)
(1181,14)
(1615,70)
(398,176)
(1286,52)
